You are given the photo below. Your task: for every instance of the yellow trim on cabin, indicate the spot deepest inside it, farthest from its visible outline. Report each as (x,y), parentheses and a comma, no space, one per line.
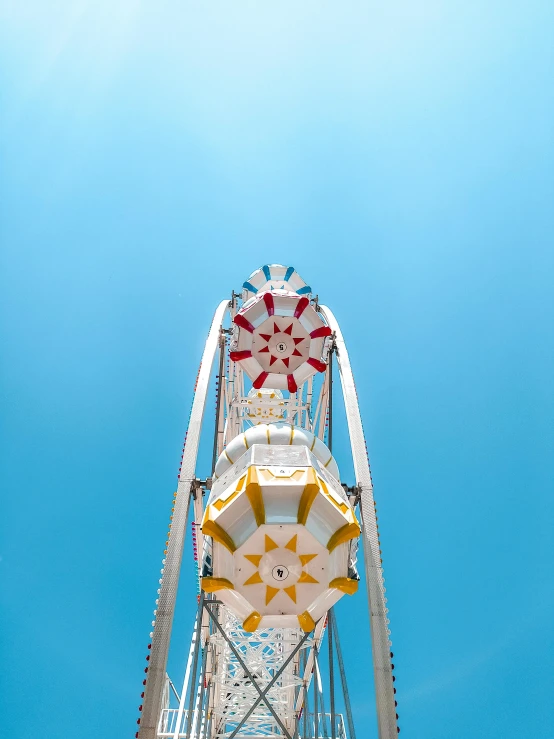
(306,622)
(270,544)
(251,622)
(220,503)
(254,494)
(345,585)
(345,533)
(213,584)
(342,506)
(254,558)
(254,579)
(305,577)
(213,529)
(292,543)
(309,494)
(291,592)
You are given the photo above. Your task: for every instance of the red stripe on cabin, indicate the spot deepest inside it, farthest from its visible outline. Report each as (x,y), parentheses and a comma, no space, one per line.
(291,382)
(243,322)
(322,331)
(303,303)
(269,304)
(320,366)
(238,356)
(260,379)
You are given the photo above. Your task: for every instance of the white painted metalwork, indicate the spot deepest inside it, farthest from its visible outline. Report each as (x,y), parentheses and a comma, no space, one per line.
(244,685)
(264,653)
(163,623)
(168,723)
(380,633)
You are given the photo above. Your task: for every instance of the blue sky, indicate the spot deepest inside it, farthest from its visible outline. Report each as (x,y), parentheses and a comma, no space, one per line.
(401,156)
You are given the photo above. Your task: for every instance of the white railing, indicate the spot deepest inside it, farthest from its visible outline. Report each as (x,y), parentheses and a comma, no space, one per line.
(168,724)
(323,727)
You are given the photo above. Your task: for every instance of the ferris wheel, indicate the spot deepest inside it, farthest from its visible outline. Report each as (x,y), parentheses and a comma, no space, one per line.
(275,534)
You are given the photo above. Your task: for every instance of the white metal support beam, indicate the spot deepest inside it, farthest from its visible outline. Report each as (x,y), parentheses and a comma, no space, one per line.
(170,579)
(386,710)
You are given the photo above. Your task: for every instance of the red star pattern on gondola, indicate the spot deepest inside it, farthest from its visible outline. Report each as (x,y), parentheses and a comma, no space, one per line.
(282,346)
(280,340)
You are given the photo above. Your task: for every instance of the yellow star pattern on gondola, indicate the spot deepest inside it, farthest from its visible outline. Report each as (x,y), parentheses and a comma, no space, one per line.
(271,592)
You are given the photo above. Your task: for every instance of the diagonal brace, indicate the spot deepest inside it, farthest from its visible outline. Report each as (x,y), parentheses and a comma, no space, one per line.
(247,671)
(262,696)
